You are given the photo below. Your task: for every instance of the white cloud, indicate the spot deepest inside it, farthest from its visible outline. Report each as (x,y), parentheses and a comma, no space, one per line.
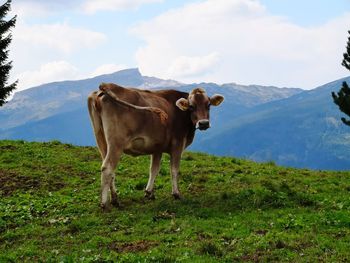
(28,8)
(254,46)
(58,36)
(41,8)
(35,46)
(92,6)
(53,71)
(107,69)
(193,66)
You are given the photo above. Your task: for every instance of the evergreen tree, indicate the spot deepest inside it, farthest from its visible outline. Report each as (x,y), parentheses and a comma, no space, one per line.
(342,99)
(5,40)
(346,59)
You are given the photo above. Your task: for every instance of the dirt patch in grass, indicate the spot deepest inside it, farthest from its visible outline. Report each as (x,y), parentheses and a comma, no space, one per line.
(254,257)
(164,215)
(8,147)
(11,181)
(251,258)
(261,232)
(137,246)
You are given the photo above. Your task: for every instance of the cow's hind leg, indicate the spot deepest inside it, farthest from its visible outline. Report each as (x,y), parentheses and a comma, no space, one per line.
(96,122)
(153,171)
(108,176)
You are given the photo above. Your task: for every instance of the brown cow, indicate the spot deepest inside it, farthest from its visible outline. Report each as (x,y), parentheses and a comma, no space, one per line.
(139,122)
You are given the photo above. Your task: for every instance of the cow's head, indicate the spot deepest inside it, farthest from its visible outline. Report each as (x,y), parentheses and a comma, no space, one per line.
(198,103)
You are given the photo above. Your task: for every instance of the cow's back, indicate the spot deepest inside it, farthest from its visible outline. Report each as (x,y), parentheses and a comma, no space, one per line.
(163,99)
(179,125)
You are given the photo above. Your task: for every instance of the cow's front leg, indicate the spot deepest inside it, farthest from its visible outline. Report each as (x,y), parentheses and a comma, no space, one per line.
(153,171)
(114,197)
(108,176)
(175,164)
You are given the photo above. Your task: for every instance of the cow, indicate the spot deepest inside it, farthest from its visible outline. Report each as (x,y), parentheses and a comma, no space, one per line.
(144,122)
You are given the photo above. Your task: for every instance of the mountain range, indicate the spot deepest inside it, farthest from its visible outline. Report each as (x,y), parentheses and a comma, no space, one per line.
(289,126)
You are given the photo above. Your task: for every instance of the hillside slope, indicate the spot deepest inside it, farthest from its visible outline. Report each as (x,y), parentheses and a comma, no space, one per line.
(47,100)
(232,210)
(303,130)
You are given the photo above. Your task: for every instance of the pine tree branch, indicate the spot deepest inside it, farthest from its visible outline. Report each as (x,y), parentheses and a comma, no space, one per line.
(345,121)
(6,91)
(5,26)
(346,56)
(5,8)
(342,99)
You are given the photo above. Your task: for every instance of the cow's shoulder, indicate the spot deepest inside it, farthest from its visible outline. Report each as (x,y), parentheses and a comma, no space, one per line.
(130,95)
(171,95)
(160,98)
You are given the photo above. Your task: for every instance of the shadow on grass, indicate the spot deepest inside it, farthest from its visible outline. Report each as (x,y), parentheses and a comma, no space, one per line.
(211,204)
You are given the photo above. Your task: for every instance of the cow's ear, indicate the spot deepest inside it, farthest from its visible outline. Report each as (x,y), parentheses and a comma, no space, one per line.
(182,104)
(216,99)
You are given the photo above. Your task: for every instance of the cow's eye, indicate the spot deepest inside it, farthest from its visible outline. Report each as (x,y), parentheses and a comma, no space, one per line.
(208,106)
(191,108)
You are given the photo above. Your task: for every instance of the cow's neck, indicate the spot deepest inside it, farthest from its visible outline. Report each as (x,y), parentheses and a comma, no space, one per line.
(190,135)
(190,132)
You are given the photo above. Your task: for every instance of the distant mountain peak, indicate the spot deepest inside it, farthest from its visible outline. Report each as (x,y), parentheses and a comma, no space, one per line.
(129,71)
(154,83)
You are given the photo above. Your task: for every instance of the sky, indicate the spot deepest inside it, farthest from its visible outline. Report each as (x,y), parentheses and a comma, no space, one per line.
(285,43)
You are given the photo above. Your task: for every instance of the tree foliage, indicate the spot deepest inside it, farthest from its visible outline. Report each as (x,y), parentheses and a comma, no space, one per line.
(342,98)
(346,56)
(5,40)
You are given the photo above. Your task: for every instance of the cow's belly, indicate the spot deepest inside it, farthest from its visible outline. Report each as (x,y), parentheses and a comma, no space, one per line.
(143,145)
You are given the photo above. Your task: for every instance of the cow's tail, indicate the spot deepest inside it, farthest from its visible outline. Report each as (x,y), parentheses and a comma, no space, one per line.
(96,121)
(163,116)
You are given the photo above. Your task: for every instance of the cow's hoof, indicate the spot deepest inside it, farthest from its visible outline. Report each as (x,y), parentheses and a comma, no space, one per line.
(177,196)
(149,195)
(115,203)
(105,207)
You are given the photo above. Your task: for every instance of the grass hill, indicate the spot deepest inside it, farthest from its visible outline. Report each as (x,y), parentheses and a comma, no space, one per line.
(232,210)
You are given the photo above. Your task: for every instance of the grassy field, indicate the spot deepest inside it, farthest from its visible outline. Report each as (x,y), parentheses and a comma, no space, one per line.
(232,210)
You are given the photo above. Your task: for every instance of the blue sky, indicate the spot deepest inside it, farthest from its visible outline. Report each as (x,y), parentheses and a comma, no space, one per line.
(308,12)
(291,43)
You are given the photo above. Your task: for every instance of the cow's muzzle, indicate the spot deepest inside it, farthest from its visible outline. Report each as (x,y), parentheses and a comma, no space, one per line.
(203,125)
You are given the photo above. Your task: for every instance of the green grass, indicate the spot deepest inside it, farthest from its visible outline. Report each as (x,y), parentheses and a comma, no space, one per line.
(232,210)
